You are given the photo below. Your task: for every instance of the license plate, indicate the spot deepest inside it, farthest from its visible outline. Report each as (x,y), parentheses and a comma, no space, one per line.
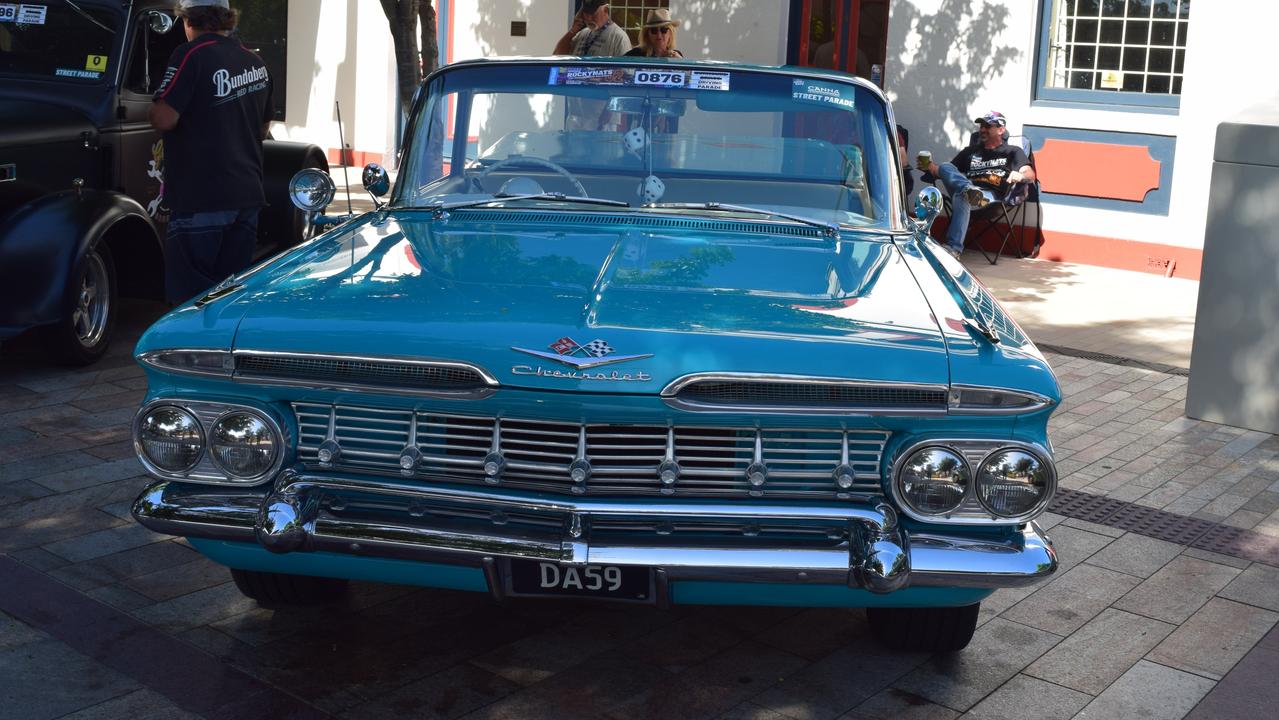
(614,582)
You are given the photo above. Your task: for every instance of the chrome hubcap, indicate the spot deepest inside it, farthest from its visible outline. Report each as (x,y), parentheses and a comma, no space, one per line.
(90,315)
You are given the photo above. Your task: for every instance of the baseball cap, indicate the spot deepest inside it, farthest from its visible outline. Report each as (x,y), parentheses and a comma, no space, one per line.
(992,118)
(591,6)
(188,4)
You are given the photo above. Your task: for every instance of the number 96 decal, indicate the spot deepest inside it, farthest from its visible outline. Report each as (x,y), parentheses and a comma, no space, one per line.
(664,78)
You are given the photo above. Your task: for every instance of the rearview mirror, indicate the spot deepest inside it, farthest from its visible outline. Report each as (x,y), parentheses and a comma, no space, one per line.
(375,180)
(159,23)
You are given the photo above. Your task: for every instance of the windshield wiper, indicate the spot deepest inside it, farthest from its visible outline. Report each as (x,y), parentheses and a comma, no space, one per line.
(557,197)
(831,228)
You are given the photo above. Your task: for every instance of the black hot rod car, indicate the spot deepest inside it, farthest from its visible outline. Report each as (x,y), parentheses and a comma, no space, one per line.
(81,169)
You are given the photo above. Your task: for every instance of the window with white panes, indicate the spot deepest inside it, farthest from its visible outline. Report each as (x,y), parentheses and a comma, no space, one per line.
(1114,46)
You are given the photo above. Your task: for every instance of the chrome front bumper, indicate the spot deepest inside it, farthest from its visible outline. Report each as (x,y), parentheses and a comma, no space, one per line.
(866,548)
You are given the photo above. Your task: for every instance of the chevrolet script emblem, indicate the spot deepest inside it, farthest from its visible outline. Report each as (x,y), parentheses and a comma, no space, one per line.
(593,354)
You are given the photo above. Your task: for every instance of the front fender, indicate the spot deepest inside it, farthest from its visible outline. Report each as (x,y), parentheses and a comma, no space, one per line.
(42,244)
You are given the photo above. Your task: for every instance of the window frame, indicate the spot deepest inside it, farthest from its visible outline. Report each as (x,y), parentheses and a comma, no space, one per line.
(1164,103)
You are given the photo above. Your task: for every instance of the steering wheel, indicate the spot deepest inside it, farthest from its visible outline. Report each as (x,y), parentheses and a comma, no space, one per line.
(530,160)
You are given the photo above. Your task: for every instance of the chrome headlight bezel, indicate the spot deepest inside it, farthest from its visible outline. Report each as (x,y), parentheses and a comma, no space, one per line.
(977,451)
(139,446)
(207,413)
(1049,480)
(899,479)
(211,441)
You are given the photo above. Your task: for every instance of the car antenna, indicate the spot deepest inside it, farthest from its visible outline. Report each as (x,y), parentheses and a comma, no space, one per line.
(346,180)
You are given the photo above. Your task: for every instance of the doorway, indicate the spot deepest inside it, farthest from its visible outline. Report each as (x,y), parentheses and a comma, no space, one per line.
(847,35)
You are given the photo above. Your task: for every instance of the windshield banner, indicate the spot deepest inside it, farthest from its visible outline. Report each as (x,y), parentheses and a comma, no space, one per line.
(627,76)
(823,93)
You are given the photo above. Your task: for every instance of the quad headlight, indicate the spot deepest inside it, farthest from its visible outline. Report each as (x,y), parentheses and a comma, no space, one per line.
(243,445)
(1013,482)
(973,481)
(934,480)
(209,442)
(171,438)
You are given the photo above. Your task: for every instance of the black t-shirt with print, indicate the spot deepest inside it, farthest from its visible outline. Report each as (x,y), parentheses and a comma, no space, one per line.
(222,94)
(989,167)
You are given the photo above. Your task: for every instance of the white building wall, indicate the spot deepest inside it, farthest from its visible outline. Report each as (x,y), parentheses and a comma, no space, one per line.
(950,62)
(340,50)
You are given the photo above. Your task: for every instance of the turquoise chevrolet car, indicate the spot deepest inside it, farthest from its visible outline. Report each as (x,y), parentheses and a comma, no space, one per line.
(646,331)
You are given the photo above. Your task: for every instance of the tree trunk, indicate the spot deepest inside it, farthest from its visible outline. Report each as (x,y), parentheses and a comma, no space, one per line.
(430,47)
(402,16)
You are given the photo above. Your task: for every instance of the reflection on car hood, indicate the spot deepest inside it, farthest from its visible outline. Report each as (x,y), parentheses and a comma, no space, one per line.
(534,303)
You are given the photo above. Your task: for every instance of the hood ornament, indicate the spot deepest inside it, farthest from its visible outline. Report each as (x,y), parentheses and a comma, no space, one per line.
(593,354)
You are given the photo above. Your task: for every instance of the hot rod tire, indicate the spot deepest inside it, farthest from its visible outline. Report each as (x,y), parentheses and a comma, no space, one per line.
(937,629)
(277,589)
(82,337)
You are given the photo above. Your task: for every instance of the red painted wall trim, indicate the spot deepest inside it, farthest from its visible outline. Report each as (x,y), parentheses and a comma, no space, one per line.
(355,158)
(1093,169)
(1147,257)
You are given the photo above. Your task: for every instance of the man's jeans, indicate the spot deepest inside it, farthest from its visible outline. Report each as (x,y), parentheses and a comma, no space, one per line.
(202,249)
(956,183)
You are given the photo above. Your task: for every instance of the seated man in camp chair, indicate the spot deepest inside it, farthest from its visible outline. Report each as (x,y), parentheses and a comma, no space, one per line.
(980,174)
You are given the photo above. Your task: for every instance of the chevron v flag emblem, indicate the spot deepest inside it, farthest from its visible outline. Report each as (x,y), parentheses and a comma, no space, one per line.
(593,354)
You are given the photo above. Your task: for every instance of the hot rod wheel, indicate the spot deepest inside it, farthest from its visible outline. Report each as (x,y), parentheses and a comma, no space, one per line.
(84,333)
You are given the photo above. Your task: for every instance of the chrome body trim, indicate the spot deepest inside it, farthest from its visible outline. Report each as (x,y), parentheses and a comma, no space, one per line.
(149,358)
(1038,402)
(863,546)
(670,394)
(974,452)
(207,415)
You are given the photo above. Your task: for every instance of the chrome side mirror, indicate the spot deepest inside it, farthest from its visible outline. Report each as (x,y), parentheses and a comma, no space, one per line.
(927,206)
(311,190)
(159,22)
(375,180)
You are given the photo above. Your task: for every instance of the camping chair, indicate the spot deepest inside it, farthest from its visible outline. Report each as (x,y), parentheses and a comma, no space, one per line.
(1010,211)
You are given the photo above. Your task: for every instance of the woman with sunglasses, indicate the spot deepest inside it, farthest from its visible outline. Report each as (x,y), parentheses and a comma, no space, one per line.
(657,37)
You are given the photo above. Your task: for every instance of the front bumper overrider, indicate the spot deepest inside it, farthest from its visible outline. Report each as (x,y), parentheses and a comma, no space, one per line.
(863,545)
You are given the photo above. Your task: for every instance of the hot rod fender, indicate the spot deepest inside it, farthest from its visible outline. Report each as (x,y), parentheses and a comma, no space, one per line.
(43,243)
(278,223)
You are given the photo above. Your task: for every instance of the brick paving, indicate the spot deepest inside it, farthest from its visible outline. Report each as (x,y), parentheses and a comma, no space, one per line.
(100,618)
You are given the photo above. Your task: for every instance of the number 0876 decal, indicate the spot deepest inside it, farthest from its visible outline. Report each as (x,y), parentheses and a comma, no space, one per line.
(664,78)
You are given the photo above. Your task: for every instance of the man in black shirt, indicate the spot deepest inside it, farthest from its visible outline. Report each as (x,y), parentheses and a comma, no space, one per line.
(980,174)
(213,107)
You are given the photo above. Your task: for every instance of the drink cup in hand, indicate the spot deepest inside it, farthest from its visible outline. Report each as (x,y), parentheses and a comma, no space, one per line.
(924,160)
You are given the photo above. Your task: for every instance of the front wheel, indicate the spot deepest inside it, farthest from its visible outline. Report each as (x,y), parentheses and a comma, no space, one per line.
(82,337)
(277,589)
(934,629)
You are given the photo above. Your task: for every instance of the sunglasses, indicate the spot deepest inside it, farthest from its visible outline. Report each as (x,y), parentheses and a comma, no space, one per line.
(658,30)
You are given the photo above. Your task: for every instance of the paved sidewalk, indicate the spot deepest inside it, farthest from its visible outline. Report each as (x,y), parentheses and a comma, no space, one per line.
(1115,312)
(100,618)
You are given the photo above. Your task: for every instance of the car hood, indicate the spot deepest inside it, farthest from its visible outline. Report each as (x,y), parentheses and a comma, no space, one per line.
(512,297)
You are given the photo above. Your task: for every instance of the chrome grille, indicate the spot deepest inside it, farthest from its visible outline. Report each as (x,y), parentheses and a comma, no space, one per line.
(815,395)
(624,459)
(339,371)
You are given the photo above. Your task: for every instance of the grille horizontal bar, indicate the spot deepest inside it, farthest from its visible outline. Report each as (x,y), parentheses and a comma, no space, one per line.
(622,459)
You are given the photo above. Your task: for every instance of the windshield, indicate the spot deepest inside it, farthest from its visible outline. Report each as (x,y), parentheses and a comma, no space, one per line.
(657,136)
(63,40)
